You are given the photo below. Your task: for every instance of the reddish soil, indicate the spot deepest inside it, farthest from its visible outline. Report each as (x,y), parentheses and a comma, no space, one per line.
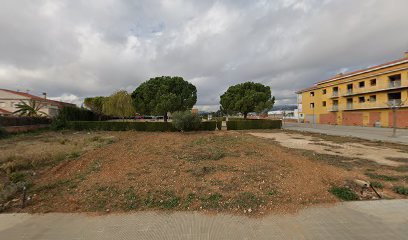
(206,171)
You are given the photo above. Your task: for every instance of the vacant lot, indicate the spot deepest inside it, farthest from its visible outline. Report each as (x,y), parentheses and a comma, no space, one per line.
(205,171)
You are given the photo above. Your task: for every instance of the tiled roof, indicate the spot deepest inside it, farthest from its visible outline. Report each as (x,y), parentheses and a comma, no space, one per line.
(4,111)
(30,96)
(361,71)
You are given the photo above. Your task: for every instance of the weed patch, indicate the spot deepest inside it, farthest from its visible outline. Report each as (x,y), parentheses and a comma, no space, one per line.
(377,185)
(247,200)
(401,190)
(164,200)
(131,199)
(211,202)
(344,193)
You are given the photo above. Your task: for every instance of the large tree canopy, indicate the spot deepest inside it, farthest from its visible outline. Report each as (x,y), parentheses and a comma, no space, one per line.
(95,104)
(247,97)
(165,94)
(119,104)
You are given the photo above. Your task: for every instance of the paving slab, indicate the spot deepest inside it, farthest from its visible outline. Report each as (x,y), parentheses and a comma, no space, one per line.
(385,219)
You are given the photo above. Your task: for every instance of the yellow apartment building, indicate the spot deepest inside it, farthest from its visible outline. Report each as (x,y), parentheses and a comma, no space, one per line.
(360,98)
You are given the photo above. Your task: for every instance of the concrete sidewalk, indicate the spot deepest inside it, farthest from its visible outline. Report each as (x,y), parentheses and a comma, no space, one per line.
(370,133)
(386,219)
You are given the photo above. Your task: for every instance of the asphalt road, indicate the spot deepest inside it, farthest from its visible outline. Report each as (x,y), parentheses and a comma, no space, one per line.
(386,219)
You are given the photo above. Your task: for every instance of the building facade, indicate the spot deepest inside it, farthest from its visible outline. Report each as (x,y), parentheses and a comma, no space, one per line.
(361,98)
(9,100)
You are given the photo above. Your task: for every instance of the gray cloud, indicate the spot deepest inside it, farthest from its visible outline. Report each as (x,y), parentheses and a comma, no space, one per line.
(73,49)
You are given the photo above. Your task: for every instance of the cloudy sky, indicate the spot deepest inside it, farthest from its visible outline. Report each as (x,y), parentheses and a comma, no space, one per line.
(73,48)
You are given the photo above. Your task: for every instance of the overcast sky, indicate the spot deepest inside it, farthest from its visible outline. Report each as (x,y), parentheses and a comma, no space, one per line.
(72,49)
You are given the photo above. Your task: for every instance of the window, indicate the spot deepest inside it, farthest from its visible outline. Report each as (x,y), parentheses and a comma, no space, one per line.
(349,88)
(373,82)
(324,91)
(312,94)
(324,103)
(335,92)
(312,105)
(361,84)
(361,99)
(373,98)
(394,96)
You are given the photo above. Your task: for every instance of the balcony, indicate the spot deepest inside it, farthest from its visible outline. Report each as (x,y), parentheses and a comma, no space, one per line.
(349,92)
(375,105)
(334,108)
(394,84)
(394,103)
(335,94)
(391,86)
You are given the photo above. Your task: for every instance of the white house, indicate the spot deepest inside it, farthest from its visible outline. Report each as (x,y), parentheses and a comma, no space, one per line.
(9,99)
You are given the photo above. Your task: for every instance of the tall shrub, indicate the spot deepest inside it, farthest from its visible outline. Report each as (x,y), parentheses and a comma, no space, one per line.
(186,121)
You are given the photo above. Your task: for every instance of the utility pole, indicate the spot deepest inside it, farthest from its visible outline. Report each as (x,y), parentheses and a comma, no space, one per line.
(394,122)
(394,105)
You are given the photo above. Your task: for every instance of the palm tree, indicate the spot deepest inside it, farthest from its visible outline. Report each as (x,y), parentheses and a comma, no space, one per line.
(30,109)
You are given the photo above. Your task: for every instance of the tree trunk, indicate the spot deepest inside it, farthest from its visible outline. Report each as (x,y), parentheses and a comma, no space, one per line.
(165,117)
(245,115)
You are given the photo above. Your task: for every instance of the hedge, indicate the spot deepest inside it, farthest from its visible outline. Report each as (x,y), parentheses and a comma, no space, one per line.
(137,126)
(80,114)
(208,126)
(121,126)
(23,121)
(254,124)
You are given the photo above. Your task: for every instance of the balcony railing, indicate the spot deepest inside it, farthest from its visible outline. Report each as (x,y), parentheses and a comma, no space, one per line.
(374,105)
(394,102)
(334,108)
(394,84)
(335,94)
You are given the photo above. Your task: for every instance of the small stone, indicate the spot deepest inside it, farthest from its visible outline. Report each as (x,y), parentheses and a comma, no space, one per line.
(249,210)
(107,210)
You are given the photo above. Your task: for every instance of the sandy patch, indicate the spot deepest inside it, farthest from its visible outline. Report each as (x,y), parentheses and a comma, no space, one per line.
(380,155)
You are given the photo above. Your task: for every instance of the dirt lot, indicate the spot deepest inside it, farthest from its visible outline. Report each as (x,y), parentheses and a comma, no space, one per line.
(220,171)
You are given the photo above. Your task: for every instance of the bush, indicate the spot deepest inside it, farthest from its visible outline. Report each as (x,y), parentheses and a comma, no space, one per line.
(22,121)
(3,132)
(401,190)
(254,124)
(121,126)
(344,193)
(186,121)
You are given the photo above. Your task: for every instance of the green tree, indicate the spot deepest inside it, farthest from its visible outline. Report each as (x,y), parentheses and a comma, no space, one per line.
(247,97)
(165,94)
(30,109)
(95,104)
(119,104)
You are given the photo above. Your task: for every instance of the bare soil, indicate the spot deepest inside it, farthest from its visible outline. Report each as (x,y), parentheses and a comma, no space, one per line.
(223,171)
